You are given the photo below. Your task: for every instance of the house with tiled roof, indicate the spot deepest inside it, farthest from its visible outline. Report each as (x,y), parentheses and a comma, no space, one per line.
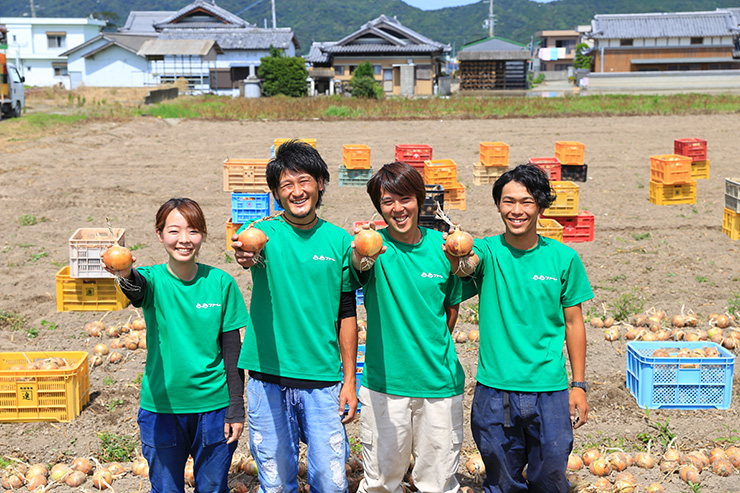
(406,62)
(673,41)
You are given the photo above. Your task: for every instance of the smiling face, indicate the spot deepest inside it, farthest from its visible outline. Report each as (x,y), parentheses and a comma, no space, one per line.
(298,193)
(181,240)
(401,212)
(519,212)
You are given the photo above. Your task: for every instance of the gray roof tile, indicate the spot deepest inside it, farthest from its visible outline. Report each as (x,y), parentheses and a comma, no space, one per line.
(237,39)
(720,22)
(221,16)
(142,22)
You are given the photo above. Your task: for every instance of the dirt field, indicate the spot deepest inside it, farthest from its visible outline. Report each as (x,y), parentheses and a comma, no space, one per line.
(672,256)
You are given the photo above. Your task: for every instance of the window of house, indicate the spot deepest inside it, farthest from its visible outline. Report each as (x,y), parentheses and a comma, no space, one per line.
(60,69)
(56,39)
(625,42)
(352,69)
(338,69)
(377,69)
(697,41)
(423,72)
(388,74)
(713,66)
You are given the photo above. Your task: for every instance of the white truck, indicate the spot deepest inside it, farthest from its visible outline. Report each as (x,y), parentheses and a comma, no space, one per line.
(12,92)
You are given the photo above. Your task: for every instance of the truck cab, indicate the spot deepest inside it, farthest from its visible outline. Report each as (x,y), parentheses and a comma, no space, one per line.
(12,92)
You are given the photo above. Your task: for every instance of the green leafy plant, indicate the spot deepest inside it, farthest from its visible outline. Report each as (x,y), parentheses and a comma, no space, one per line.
(116,448)
(701,278)
(640,236)
(363,82)
(32,333)
(627,304)
(733,304)
(49,325)
(38,256)
(138,379)
(137,246)
(582,60)
(11,321)
(108,380)
(5,462)
(27,220)
(228,258)
(282,74)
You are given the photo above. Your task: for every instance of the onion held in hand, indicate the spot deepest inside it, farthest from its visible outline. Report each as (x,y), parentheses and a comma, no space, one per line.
(252,240)
(368,242)
(459,243)
(118,258)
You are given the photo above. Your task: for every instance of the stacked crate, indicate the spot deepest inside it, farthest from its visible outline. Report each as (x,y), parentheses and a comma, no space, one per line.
(696,149)
(731,216)
(494,162)
(85,285)
(571,156)
(435,199)
(444,172)
(355,170)
(578,226)
(670,180)
(246,180)
(550,165)
(278,142)
(414,155)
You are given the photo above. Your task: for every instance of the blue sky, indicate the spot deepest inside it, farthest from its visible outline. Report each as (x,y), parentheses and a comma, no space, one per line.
(439,4)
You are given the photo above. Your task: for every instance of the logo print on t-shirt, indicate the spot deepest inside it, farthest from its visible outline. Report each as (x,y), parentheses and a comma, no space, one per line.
(321,257)
(432,275)
(207,305)
(544,278)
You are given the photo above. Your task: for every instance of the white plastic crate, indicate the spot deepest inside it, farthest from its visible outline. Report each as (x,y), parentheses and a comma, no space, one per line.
(86,246)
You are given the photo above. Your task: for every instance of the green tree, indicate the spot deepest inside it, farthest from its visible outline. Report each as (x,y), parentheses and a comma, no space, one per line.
(363,82)
(582,60)
(283,75)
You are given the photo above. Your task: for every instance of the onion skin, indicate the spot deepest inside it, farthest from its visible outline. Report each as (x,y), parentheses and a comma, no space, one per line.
(459,243)
(689,473)
(574,462)
(368,242)
(655,488)
(600,467)
(252,240)
(118,258)
(590,455)
(75,478)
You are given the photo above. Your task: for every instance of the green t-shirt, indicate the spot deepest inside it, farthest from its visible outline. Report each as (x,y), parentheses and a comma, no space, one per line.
(409,350)
(522,326)
(294,310)
(184,370)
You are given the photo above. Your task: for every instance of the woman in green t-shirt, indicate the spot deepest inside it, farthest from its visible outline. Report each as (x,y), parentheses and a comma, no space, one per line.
(192,392)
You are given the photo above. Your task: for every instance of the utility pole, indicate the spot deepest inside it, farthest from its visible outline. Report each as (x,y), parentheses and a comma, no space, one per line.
(33,9)
(490,18)
(274,22)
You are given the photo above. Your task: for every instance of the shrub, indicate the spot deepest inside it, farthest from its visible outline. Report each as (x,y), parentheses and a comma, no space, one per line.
(283,75)
(363,82)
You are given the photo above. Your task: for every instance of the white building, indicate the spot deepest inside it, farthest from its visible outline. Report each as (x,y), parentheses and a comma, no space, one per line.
(110,59)
(36,43)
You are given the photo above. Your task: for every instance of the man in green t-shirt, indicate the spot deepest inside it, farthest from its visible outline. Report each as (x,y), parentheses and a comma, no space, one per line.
(412,385)
(302,324)
(531,289)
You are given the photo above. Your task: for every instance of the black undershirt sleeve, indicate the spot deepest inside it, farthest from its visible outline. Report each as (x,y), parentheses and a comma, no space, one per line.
(134,287)
(347,305)
(231,346)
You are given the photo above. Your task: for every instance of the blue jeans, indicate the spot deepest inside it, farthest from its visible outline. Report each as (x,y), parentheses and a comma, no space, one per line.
(537,432)
(168,439)
(279,418)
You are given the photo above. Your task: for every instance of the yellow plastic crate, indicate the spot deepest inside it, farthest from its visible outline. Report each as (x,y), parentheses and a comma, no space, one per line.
(487,175)
(43,395)
(86,245)
(550,228)
(731,224)
(86,295)
(231,230)
(356,156)
(682,193)
(245,175)
(700,170)
(494,154)
(570,152)
(455,197)
(279,142)
(670,169)
(566,199)
(441,172)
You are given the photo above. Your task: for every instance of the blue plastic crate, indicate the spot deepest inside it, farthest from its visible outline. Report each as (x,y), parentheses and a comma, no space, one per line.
(359,370)
(360,297)
(276,205)
(679,383)
(354,177)
(248,206)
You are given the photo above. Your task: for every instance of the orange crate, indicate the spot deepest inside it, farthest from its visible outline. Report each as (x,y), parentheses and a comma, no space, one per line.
(731,224)
(681,193)
(88,295)
(566,199)
(356,156)
(440,172)
(245,175)
(696,149)
(494,154)
(455,197)
(700,170)
(670,169)
(550,228)
(231,229)
(570,152)
(43,395)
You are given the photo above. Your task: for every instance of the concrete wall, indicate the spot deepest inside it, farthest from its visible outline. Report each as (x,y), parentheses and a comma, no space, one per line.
(714,81)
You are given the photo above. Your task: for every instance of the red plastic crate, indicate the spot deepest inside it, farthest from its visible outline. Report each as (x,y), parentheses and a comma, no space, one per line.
(550,165)
(577,229)
(417,165)
(696,149)
(379,224)
(413,152)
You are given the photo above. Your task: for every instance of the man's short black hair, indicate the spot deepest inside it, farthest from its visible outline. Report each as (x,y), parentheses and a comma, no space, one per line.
(298,157)
(534,180)
(400,179)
